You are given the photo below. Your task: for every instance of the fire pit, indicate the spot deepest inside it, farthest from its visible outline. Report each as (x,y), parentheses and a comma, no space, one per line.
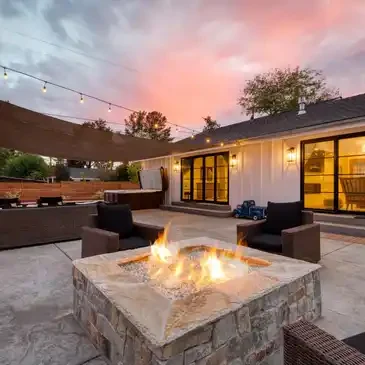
(198,301)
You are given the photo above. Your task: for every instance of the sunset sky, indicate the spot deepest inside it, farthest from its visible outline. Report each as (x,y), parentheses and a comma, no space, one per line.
(186,59)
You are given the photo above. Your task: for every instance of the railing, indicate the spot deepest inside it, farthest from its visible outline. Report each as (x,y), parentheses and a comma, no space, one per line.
(30,192)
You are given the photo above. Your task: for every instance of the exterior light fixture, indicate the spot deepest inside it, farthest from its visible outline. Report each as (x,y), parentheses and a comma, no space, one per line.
(5,74)
(44,87)
(176,166)
(207,140)
(221,144)
(291,155)
(81,99)
(192,136)
(233,162)
(110,108)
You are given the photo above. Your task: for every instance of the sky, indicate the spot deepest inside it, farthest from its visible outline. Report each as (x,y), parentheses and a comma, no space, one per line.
(187,59)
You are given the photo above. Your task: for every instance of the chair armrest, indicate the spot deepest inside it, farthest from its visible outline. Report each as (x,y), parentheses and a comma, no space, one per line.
(305,343)
(307,217)
(93,221)
(147,231)
(246,231)
(96,241)
(302,242)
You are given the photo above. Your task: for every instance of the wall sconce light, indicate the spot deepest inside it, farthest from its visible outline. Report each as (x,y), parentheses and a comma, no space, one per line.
(233,162)
(176,166)
(291,155)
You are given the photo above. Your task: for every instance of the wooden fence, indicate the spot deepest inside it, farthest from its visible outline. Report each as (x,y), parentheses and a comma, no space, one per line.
(30,192)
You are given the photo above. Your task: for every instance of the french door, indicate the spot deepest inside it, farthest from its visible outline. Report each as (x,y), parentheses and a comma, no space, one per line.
(205,178)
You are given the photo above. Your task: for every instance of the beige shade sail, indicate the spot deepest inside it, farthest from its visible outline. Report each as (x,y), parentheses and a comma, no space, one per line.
(28,131)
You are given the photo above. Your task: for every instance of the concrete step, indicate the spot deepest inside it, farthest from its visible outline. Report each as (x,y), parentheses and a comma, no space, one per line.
(198,211)
(340,219)
(345,229)
(209,206)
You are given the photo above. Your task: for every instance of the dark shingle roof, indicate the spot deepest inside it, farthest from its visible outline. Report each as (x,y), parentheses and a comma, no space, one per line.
(322,113)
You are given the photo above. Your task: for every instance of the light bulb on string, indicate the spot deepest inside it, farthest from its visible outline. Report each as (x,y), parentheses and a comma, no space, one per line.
(110,108)
(5,74)
(207,140)
(81,99)
(222,144)
(192,136)
(156,125)
(44,87)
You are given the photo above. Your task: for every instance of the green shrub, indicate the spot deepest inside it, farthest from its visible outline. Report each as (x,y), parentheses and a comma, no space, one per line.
(133,172)
(26,166)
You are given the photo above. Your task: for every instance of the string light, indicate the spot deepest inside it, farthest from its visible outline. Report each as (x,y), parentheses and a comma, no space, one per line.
(222,144)
(179,128)
(156,125)
(207,140)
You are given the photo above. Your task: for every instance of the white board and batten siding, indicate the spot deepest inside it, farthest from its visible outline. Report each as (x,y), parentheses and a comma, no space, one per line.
(262,173)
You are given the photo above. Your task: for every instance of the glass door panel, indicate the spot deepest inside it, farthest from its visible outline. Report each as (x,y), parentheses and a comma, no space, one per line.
(186,164)
(198,170)
(222,168)
(209,178)
(319,172)
(351,174)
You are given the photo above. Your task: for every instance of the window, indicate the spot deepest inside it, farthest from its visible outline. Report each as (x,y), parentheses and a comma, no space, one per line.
(333,174)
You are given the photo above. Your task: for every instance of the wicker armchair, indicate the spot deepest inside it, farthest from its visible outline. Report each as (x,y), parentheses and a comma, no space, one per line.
(301,242)
(96,240)
(306,344)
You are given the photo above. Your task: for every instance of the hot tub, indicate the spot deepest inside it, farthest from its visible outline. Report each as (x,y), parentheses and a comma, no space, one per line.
(136,198)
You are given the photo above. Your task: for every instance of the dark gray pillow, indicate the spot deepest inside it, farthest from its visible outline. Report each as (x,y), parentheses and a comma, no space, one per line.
(282,216)
(115,218)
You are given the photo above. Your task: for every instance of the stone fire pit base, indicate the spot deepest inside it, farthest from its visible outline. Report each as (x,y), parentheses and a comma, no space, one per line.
(240,330)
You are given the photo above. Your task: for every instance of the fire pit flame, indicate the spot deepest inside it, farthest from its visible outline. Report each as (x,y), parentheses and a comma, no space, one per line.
(173,267)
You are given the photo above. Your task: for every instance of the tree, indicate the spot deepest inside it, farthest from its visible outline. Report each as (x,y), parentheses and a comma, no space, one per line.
(148,125)
(122,173)
(5,156)
(278,90)
(100,125)
(61,172)
(133,172)
(210,124)
(27,166)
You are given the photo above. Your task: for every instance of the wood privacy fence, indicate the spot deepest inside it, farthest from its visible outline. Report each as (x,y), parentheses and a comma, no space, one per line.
(30,192)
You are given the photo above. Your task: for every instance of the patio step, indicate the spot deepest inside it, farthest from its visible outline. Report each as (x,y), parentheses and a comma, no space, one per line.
(352,220)
(203,209)
(344,229)
(209,206)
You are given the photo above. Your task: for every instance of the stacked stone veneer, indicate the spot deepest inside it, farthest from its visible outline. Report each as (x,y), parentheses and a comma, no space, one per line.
(249,335)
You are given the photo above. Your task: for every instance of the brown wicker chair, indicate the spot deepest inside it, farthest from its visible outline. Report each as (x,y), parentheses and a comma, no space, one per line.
(306,344)
(97,241)
(301,242)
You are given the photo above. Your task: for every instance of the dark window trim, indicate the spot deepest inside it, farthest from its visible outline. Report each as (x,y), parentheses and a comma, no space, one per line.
(336,174)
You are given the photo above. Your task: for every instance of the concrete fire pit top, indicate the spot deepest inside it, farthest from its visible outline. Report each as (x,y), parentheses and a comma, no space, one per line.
(162,320)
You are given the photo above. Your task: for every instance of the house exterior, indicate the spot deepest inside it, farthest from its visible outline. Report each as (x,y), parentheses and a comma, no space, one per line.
(316,154)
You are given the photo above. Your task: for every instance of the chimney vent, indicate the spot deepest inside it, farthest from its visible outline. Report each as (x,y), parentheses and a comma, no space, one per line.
(301,102)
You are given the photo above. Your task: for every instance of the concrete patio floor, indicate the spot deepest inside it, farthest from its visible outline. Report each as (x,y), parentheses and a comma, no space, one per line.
(36,323)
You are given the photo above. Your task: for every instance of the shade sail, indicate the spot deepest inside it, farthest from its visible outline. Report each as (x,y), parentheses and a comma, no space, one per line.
(28,131)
